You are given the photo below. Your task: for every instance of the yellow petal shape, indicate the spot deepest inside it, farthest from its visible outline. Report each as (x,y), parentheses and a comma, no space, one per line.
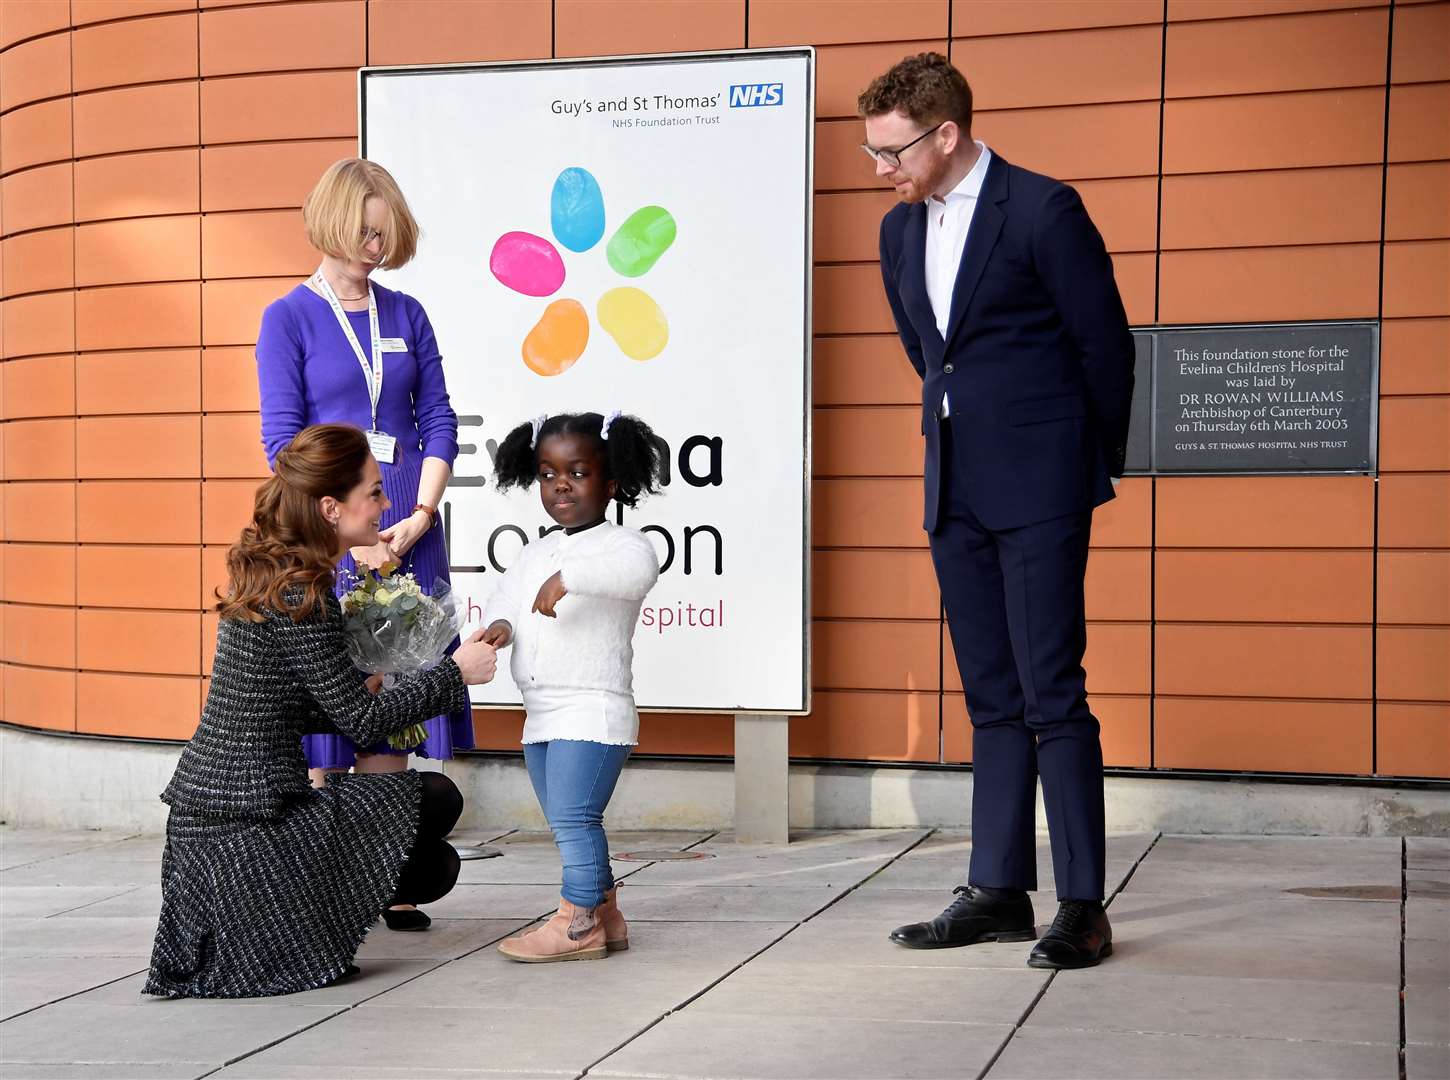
(634,321)
(557,339)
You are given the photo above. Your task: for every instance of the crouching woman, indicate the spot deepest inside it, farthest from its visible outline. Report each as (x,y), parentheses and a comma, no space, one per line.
(269,885)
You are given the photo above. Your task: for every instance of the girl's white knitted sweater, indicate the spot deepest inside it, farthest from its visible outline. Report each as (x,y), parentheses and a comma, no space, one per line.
(607,571)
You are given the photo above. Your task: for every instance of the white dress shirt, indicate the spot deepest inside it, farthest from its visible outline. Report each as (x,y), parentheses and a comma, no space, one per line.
(947,223)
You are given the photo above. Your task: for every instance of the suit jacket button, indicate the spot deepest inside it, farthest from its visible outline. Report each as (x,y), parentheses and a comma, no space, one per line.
(948,369)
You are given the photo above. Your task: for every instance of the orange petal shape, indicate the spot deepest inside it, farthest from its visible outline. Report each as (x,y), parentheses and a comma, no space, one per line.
(557,339)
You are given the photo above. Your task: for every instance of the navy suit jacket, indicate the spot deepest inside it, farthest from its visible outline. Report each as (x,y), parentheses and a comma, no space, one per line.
(1038,357)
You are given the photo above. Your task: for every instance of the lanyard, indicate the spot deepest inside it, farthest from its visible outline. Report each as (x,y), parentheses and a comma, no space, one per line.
(372,373)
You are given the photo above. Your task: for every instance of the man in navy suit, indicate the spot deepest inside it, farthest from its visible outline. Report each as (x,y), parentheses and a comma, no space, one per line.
(1005,303)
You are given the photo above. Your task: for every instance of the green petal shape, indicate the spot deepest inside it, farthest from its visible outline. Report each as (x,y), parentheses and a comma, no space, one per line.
(641,240)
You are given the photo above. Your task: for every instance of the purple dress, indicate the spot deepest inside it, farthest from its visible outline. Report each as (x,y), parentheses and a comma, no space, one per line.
(308,374)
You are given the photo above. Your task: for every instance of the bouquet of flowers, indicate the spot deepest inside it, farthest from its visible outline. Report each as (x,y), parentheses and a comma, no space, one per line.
(392,627)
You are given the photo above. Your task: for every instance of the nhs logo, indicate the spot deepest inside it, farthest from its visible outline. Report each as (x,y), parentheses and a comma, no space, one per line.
(748,95)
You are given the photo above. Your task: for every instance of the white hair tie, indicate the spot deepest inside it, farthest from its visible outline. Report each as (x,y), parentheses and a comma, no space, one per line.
(608,420)
(537,422)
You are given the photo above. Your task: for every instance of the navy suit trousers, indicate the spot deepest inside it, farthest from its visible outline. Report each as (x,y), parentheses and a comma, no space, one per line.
(1014,603)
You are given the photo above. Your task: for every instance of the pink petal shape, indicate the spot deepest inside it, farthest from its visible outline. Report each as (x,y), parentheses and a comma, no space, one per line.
(527,264)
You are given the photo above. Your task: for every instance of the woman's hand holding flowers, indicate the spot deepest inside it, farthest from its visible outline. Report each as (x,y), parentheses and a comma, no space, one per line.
(379,557)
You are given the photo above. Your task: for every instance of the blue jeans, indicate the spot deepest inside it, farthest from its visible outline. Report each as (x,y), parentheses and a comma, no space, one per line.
(574,781)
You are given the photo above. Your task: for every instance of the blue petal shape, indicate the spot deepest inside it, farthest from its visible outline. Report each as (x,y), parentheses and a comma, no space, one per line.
(576,209)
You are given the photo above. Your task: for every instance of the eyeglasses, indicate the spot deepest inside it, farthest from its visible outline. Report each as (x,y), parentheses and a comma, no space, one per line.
(893,157)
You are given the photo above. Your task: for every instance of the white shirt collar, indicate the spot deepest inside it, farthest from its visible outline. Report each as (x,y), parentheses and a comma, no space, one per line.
(970,186)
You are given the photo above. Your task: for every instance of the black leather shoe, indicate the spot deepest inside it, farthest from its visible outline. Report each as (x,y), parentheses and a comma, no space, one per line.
(407,919)
(1079,937)
(975,915)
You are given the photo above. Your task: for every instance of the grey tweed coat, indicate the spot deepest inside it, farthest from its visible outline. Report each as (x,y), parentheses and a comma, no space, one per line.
(269,885)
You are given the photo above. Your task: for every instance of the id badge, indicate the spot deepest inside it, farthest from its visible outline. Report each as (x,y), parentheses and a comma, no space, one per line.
(392,344)
(382,445)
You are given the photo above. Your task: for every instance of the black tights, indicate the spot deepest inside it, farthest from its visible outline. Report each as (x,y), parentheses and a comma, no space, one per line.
(432,867)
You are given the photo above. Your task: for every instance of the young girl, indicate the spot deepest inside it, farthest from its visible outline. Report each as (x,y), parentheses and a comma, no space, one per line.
(568,606)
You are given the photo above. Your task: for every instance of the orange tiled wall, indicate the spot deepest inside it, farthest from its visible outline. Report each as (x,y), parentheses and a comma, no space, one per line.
(1234,153)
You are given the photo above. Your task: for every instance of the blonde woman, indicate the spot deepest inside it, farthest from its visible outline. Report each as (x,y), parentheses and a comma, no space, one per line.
(340,349)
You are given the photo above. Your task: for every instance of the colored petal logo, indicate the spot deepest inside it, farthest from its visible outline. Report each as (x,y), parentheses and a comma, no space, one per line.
(641,240)
(576,210)
(527,263)
(558,338)
(531,265)
(634,321)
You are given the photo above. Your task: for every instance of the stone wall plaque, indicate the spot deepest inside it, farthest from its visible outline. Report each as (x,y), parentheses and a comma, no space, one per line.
(1268,398)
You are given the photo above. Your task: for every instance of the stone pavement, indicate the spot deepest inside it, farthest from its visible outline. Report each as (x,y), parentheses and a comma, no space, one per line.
(1235,957)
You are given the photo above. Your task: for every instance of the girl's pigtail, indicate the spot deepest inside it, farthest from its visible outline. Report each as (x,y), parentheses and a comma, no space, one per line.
(634,459)
(517,462)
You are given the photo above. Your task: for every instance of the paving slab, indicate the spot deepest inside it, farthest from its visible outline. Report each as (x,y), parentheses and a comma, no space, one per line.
(1228,955)
(138,847)
(719,945)
(941,862)
(1427,884)
(1181,864)
(271,1069)
(1427,853)
(107,1070)
(530,858)
(137,902)
(77,937)
(1427,1013)
(1427,921)
(1053,1054)
(845,991)
(43,901)
(21,846)
(837,860)
(632,992)
(1427,963)
(865,942)
(890,908)
(771,961)
(1154,917)
(75,1033)
(376,977)
(1105,999)
(1424,1062)
(84,868)
(642,902)
(407,1040)
(697,1044)
(446,939)
(30,981)
(477,901)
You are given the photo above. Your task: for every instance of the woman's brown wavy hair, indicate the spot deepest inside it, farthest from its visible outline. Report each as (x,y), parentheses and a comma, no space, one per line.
(289,544)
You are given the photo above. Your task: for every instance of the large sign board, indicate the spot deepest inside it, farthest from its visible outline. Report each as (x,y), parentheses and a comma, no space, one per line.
(632,234)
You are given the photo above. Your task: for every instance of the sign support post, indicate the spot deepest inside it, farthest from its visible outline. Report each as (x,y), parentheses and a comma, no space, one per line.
(762,779)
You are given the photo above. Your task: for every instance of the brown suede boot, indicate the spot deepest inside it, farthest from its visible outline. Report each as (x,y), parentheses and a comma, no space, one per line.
(574,933)
(616,931)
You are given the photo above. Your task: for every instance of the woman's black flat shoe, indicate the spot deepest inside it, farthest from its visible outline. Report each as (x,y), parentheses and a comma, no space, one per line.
(407,919)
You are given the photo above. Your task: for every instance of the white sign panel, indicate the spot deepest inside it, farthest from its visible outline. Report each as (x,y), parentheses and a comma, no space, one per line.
(635,235)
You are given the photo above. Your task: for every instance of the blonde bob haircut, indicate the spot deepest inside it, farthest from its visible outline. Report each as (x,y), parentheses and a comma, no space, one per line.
(333,213)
